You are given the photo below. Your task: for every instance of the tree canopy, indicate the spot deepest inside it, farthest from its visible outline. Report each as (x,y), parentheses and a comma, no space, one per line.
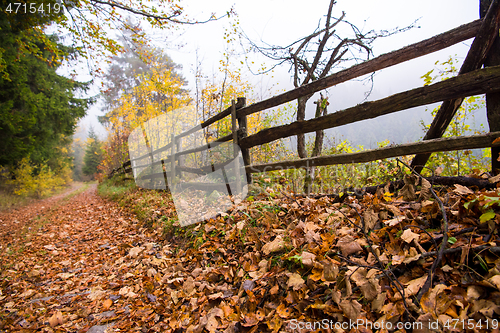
(90,25)
(38,107)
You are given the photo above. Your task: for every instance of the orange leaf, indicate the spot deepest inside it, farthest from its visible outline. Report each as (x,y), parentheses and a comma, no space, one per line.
(107,304)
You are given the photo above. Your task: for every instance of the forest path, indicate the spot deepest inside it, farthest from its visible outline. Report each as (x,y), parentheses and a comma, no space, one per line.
(66,266)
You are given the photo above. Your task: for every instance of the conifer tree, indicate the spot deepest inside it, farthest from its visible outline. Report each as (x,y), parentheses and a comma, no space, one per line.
(93,154)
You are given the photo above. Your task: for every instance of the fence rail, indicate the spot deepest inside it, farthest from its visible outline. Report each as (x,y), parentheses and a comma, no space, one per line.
(471,81)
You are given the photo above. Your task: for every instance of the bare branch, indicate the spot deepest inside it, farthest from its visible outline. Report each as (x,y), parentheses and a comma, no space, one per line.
(170,18)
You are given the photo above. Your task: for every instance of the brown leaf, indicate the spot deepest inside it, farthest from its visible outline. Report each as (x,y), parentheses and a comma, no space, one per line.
(395,221)
(408,236)
(330,271)
(408,190)
(370,218)
(295,281)
(351,309)
(308,258)
(378,302)
(369,287)
(276,245)
(283,311)
(348,246)
(462,190)
(494,179)
(413,287)
(188,285)
(107,304)
(56,319)
(135,251)
(425,191)
(274,290)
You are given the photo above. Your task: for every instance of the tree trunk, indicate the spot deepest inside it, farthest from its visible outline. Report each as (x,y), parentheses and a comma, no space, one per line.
(301,115)
(321,110)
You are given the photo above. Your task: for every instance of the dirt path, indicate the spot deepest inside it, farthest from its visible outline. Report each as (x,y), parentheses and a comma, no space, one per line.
(73,265)
(16,217)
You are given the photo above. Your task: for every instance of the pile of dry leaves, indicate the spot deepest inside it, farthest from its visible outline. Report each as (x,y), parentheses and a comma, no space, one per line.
(275,263)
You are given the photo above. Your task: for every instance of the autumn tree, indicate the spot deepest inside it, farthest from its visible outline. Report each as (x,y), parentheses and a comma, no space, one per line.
(141,84)
(125,71)
(313,57)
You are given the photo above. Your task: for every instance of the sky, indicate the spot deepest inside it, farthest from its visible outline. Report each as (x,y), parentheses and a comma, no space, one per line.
(282,21)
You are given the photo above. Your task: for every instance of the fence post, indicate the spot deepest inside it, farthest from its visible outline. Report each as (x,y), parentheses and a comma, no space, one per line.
(234,129)
(492,99)
(242,122)
(181,158)
(172,160)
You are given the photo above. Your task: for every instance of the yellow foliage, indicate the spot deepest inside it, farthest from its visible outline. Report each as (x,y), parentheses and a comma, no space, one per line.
(159,92)
(28,183)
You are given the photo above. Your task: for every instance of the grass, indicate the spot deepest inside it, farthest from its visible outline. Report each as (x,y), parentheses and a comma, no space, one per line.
(116,188)
(10,200)
(82,189)
(148,205)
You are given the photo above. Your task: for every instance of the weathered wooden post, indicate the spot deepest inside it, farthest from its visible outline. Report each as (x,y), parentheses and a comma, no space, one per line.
(234,129)
(181,158)
(243,125)
(492,99)
(475,58)
(172,160)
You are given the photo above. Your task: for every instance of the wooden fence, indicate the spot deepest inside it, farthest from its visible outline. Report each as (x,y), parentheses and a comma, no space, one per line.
(472,80)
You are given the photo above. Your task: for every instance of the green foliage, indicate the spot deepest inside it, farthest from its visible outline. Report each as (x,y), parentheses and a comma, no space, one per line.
(115,188)
(456,162)
(484,204)
(93,154)
(38,180)
(38,107)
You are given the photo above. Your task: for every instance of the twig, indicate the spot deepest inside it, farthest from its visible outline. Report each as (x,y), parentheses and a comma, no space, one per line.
(391,277)
(494,249)
(441,250)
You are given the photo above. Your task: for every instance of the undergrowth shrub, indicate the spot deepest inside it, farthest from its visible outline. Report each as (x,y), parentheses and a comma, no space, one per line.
(38,180)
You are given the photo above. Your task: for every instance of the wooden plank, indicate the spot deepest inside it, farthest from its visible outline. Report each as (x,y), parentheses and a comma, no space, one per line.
(236,148)
(406,53)
(473,83)
(243,133)
(239,104)
(172,160)
(409,52)
(428,146)
(474,60)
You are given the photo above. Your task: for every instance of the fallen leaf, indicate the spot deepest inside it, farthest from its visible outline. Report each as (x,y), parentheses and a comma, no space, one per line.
(348,246)
(56,319)
(462,190)
(413,287)
(135,251)
(107,304)
(351,309)
(425,191)
(276,245)
(408,236)
(295,281)
(370,218)
(395,221)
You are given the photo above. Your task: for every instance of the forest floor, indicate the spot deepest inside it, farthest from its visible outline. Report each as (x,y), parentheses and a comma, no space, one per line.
(274,263)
